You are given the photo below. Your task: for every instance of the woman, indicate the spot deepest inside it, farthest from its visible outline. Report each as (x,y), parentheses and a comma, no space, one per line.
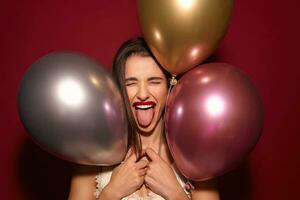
(148,171)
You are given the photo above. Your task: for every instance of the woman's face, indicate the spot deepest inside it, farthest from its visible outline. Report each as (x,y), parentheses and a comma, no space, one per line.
(146,87)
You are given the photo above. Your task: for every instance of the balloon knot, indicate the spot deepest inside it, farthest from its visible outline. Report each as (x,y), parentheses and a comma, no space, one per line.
(173,81)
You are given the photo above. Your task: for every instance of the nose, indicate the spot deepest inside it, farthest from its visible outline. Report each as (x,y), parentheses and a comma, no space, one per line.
(143,93)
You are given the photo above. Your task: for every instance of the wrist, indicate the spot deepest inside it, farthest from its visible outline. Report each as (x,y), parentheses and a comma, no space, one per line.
(177,193)
(109,193)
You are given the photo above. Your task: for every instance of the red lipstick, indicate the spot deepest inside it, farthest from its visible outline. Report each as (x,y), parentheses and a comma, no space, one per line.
(139,103)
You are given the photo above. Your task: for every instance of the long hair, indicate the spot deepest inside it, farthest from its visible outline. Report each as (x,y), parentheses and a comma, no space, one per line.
(132,47)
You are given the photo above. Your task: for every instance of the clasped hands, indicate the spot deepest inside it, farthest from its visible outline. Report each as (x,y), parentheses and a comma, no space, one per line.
(155,173)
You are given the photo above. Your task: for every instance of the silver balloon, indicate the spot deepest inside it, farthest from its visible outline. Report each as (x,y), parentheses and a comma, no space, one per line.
(72,108)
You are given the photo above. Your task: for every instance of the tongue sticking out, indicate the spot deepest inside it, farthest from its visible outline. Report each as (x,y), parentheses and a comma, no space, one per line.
(144,117)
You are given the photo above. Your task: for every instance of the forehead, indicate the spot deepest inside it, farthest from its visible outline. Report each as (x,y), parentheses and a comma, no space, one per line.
(142,66)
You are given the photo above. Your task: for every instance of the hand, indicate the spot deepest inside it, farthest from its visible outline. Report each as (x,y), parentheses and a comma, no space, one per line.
(161,179)
(127,177)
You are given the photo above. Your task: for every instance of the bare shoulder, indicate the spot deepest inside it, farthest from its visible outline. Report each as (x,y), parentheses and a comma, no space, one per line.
(205,190)
(83,182)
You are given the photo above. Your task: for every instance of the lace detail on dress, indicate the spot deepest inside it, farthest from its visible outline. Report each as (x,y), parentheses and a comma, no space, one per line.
(98,186)
(103,178)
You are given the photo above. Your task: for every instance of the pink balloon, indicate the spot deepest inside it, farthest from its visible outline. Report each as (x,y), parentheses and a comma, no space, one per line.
(214,118)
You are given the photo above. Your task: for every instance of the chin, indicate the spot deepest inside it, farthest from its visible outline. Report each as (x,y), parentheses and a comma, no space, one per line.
(146,130)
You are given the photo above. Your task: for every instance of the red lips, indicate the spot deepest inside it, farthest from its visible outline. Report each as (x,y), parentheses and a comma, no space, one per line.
(144,103)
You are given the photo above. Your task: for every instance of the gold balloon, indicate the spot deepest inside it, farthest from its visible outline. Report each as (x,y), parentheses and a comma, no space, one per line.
(183,33)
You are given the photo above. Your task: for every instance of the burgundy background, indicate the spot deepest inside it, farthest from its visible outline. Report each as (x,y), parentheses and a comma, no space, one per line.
(263,40)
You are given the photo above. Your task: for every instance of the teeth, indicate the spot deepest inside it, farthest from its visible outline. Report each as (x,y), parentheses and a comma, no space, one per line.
(144,106)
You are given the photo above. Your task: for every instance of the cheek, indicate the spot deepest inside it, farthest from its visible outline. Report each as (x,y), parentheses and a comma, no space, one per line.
(161,94)
(131,91)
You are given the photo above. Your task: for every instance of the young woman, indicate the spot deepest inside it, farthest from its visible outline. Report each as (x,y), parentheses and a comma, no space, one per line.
(148,171)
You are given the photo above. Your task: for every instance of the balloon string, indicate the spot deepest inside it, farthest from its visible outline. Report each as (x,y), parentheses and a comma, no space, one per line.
(173,82)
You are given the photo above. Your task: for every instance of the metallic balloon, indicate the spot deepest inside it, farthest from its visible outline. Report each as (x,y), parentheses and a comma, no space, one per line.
(72,108)
(214,118)
(183,33)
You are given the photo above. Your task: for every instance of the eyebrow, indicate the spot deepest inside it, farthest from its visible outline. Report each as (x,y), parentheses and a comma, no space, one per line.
(131,79)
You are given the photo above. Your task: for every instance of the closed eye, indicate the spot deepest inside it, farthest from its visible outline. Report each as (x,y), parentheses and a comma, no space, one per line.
(155,82)
(129,84)
(130,81)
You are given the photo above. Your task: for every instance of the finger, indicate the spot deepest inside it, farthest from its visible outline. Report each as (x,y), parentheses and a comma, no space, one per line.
(143,155)
(149,181)
(138,181)
(129,152)
(142,164)
(150,170)
(142,172)
(131,158)
(152,154)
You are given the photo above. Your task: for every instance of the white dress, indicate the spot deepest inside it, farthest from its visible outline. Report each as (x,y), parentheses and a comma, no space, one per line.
(103,178)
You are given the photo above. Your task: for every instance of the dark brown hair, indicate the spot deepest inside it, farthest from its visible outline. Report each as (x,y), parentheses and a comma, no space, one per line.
(130,48)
